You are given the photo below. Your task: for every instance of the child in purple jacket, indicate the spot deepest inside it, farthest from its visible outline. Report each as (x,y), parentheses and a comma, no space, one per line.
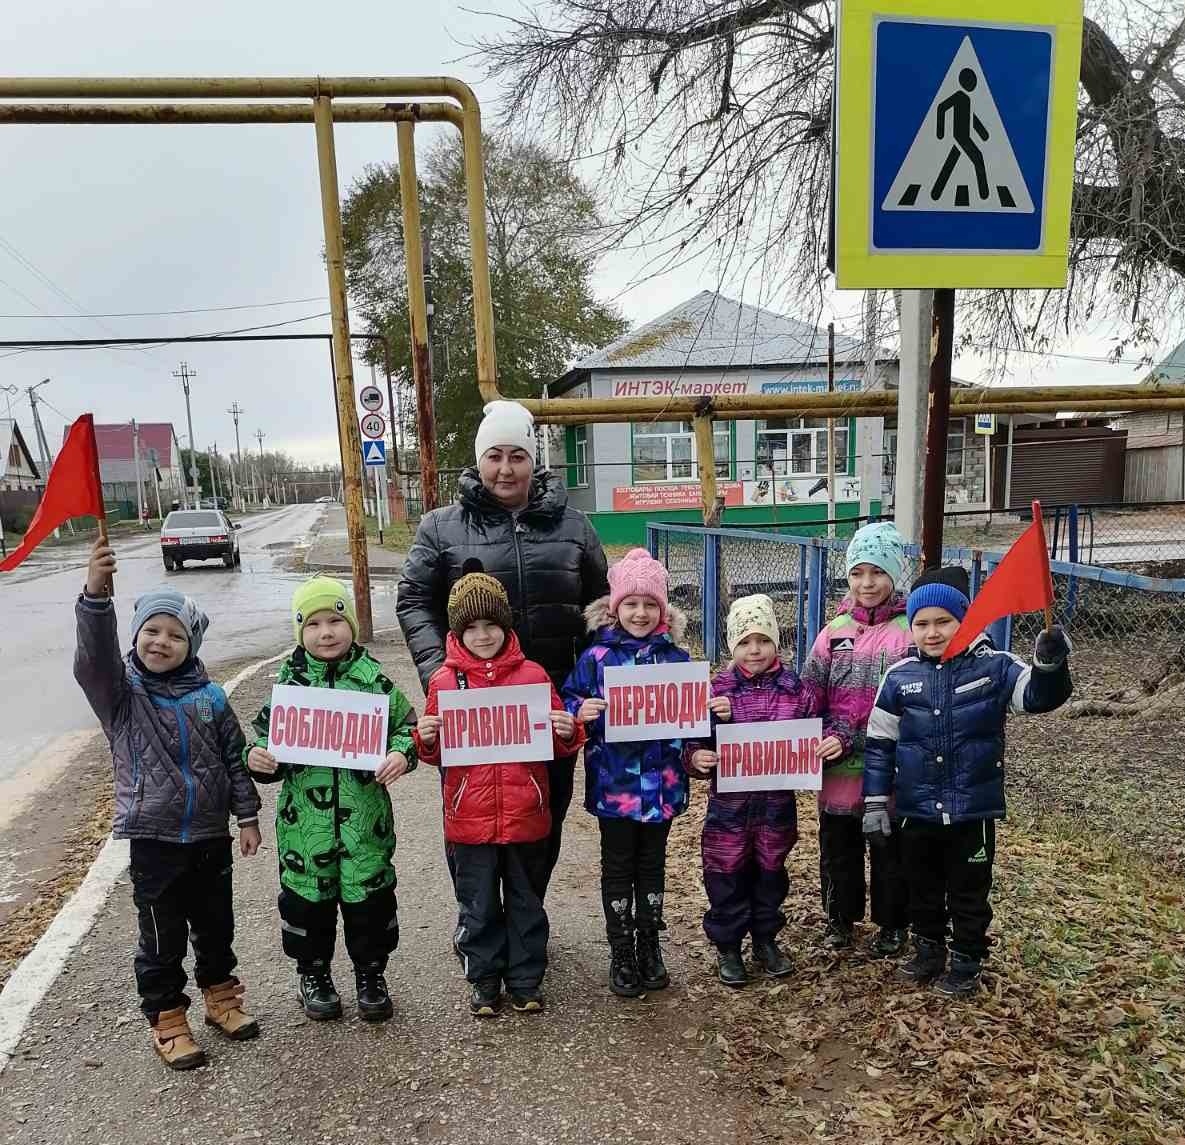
(848,661)
(747,837)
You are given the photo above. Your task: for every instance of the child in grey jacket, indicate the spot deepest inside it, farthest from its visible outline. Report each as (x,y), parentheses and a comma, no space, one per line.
(177,750)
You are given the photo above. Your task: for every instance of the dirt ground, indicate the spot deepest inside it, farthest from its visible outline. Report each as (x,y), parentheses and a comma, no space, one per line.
(1078,1036)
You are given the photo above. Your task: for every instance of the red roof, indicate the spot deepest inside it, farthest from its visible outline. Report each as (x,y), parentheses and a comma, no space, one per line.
(115,441)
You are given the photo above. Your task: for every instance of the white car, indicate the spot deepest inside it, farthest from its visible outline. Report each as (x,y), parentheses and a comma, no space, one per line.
(198,535)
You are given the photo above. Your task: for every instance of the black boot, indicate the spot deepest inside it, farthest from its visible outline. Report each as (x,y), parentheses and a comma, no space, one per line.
(731,967)
(318,995)
(485,998)
(890,942)
(837,936)
(927,963)
(624,979)
(769,956)
(374,1003)
(651,968)
(962,979)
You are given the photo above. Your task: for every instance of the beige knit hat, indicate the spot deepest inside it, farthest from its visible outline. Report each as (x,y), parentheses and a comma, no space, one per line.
(750,614)
(478,596)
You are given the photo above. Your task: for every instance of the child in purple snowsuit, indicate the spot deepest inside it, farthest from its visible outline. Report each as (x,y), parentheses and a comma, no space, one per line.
(849,659)
(748,836)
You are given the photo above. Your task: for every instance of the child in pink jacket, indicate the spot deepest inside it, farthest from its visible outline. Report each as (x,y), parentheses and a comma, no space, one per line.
(848,660)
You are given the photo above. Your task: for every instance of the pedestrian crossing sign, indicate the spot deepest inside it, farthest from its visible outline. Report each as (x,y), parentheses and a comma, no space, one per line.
(374,453)
(954,148)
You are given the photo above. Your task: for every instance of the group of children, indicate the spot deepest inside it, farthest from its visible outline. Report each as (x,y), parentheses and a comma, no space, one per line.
(912,752)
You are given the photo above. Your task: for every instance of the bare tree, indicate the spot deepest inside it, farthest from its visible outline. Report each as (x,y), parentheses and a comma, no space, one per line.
(713,121)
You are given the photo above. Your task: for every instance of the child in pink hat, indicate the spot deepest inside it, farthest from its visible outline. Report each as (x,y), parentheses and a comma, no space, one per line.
(634,789)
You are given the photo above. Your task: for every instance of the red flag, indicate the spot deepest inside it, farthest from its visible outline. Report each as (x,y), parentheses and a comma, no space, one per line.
(1021,583)
(73,489)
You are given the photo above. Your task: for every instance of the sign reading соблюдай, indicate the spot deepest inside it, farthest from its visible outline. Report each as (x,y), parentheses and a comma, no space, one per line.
(657,701)
(328,727)
(782,755)
(496,725)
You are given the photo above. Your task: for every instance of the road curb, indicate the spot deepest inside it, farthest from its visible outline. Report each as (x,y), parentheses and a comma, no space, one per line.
(38,970)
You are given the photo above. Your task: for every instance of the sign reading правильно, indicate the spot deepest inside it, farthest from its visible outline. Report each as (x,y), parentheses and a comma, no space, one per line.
(328,727)
(657,701)
(782,755)
(496,725)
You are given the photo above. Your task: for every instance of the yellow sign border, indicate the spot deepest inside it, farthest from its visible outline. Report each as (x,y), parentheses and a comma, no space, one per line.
(856,264)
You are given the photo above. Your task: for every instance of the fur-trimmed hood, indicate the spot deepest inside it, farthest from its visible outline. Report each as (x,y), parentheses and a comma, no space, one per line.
(598,616)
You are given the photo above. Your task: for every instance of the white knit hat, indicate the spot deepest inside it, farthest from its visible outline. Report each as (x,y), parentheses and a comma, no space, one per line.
(750,614)
(507,424)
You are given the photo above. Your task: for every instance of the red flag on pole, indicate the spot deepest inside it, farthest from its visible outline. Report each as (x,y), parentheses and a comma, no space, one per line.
(72,489)
(1021,583)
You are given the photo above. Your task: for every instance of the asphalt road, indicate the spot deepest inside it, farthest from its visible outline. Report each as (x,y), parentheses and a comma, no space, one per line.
(248,610)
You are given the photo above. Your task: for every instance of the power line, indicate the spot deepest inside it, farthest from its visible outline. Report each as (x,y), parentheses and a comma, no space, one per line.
(166,313)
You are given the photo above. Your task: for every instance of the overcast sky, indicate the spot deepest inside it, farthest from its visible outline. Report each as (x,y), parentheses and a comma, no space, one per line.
(110,220)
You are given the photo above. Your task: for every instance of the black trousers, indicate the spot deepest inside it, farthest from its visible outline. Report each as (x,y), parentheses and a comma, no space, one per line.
(309,929)
(502,931)
(633,874)
(561,775)
(949,869)
(841,873)
(182,893)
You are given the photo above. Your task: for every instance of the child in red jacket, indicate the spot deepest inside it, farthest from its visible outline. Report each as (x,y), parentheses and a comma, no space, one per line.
(496,815)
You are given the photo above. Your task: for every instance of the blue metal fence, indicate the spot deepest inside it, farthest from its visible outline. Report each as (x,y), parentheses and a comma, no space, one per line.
(806,578)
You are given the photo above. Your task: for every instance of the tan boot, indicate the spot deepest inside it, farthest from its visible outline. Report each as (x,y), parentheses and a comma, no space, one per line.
(173,1041)
(224,1009)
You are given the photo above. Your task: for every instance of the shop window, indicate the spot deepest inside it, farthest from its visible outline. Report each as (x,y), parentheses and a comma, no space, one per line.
(956,448)
(665,451)
(797,447)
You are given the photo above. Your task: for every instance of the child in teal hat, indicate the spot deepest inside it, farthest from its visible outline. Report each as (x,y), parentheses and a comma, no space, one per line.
(335,830)
(853,652)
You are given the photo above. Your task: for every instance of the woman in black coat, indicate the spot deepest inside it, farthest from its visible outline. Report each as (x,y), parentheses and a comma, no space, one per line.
(518,524)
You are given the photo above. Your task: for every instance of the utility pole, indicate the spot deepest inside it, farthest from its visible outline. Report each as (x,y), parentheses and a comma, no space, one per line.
(185,373)
(181,460)
(212,453)
(236,484)
(259,436)
(140,505)
(42,443)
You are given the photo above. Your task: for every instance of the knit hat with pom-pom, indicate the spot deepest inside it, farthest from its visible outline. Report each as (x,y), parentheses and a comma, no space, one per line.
(637,574)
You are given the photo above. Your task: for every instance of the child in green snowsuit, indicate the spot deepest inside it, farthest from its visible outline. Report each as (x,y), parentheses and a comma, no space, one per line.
(335,831)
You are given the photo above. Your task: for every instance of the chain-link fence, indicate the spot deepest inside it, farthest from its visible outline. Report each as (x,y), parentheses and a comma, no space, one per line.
(1124,625)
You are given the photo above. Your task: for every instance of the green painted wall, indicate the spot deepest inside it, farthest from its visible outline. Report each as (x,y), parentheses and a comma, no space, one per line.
(630,528)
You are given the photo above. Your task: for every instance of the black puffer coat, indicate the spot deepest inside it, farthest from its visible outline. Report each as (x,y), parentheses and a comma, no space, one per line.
(547,556)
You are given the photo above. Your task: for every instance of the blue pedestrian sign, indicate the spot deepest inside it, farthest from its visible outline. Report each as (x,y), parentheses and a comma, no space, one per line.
(955,143)
(374,454)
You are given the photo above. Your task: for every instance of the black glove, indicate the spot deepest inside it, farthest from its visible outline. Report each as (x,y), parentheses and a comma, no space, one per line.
(1052,648)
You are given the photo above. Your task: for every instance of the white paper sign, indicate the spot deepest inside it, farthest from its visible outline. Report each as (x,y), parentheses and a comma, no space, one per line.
(328,727)
(496,725)
(657,701)
(782,755)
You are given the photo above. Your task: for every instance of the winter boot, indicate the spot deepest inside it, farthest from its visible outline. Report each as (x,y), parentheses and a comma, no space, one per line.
(374,1003)
(624,979)
(318,995)
(651,969)
(224,1009)
(485,998)
(837,936)
(927,963)
(769,956)
(173,1041)
(962,979)
(731,967)
(527,1000)
(890,942)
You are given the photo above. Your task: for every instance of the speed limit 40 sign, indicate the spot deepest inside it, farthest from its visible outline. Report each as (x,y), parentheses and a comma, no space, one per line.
(373,425)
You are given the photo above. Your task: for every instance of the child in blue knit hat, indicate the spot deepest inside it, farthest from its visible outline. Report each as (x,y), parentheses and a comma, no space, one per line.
(176,747)
(935,742)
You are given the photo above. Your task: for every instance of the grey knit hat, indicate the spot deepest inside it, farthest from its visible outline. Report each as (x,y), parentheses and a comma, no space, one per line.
(167,602)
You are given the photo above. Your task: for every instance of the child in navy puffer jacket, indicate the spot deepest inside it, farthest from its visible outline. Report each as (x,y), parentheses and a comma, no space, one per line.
(936,741)
(748,836)
(634,789)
